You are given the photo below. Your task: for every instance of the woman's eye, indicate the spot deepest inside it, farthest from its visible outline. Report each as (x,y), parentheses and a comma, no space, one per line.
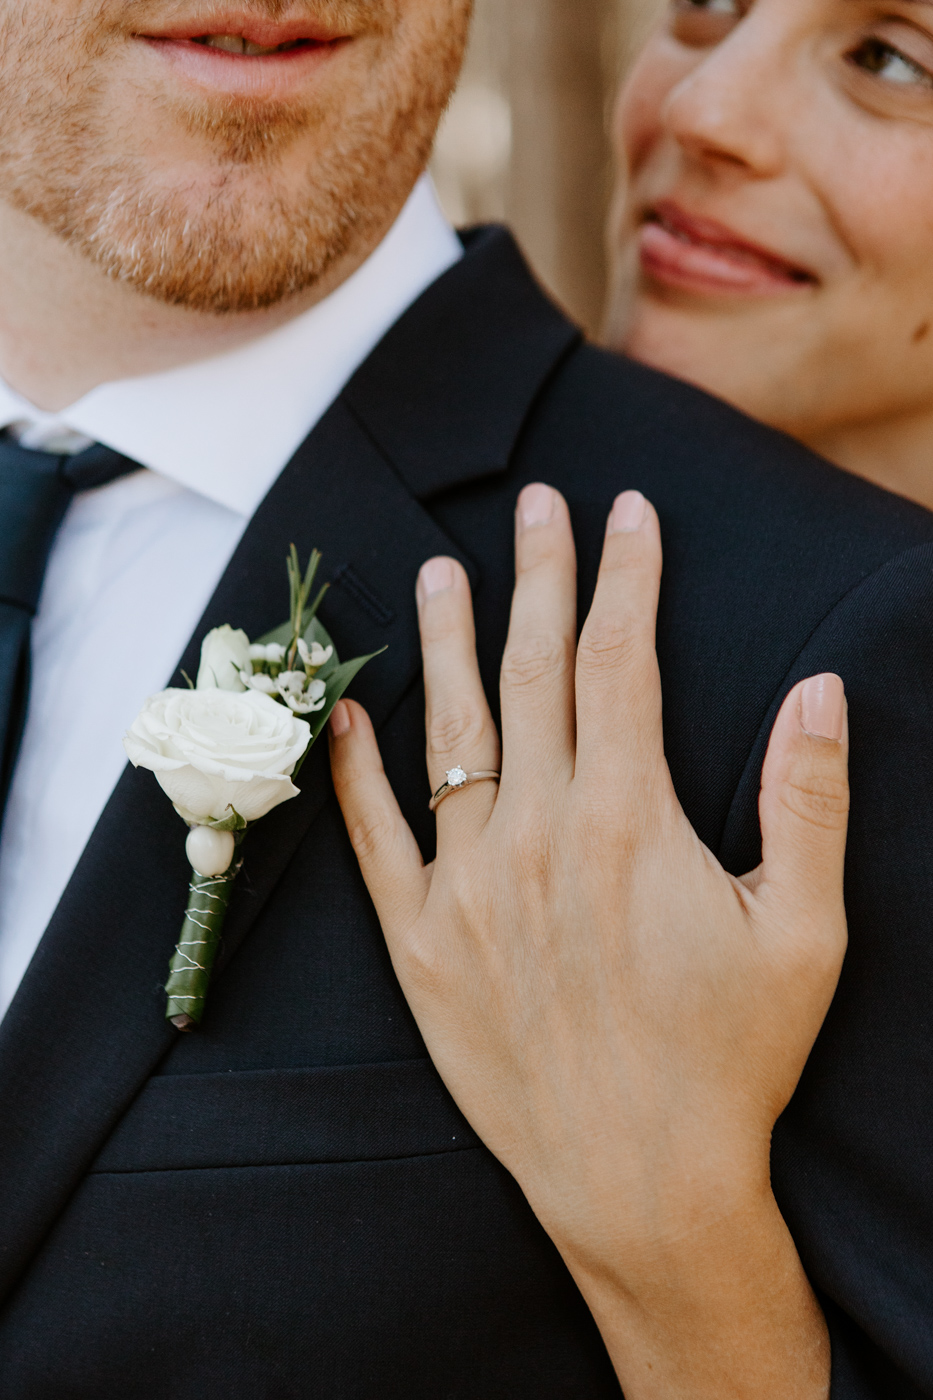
(887,62)
(711,7)
(702,23)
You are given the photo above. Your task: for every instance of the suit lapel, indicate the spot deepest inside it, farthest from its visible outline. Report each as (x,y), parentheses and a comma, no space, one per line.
(373,554)
(87,1026)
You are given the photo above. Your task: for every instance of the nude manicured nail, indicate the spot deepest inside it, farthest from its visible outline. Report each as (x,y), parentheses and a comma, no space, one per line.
(536,506)
(437,576)
(628,513)
(340,719)
(823,707)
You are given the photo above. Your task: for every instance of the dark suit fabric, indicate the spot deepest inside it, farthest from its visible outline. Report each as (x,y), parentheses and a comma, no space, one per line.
(288,1203)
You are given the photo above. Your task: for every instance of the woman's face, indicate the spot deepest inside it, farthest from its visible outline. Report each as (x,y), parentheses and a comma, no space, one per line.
(775,234)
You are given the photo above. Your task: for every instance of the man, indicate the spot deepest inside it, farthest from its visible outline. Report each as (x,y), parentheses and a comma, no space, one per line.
(221,267)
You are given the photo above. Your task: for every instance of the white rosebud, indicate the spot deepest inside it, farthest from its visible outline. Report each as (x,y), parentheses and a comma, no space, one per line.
(213,751)
(224,654)
(210,852)
(274,653)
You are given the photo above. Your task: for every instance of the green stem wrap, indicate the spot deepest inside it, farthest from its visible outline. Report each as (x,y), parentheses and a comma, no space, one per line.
(196,951)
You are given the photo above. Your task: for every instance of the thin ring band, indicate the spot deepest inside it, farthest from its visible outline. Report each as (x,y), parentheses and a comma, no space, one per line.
(457,780)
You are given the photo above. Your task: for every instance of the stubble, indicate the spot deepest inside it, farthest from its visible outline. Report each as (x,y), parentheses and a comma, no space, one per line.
(254,222)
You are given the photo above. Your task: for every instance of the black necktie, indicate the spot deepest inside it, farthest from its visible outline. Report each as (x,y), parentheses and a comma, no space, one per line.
(35,491)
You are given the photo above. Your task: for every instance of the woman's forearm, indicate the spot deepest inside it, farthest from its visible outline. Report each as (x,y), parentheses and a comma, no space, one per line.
(724,1312)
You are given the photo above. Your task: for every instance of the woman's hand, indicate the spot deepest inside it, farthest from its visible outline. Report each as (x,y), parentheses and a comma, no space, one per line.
(620,1020)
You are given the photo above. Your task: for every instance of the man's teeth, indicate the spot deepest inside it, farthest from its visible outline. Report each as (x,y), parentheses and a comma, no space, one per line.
(235,43)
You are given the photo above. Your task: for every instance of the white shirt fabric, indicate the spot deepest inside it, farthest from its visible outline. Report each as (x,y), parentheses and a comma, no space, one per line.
(136,562)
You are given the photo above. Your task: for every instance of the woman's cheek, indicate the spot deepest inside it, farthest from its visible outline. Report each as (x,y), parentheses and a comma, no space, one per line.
(905,240)
(639,115)
(880,195)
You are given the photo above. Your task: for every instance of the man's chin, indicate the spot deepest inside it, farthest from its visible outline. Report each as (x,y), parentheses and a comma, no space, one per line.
(214,237)
(211,269)
(229,247)
(217,205)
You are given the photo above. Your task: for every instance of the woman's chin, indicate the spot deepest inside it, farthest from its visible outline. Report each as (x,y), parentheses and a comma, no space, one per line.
(716,365)
(742,358)
(685,345)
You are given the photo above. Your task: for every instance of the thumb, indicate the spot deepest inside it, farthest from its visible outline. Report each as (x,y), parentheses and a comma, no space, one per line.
(804,805)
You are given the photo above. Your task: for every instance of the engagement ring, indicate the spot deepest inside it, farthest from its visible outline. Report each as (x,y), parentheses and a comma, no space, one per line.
(457,779)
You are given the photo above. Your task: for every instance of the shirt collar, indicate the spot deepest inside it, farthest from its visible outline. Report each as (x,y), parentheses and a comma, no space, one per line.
(225,427)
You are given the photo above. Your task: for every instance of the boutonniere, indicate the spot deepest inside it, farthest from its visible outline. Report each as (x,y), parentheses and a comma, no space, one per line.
(226,751)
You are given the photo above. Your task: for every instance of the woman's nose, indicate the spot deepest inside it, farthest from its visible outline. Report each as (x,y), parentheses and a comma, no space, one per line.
(730,108)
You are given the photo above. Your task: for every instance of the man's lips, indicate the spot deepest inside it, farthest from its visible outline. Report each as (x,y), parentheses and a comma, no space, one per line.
(219,52)
(264,33)
(697,254)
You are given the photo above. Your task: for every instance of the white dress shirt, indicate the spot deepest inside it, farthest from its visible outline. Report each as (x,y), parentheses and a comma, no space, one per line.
(136,562)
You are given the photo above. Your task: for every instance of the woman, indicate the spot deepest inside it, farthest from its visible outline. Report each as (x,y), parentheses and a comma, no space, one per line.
(773,236)
(752,263)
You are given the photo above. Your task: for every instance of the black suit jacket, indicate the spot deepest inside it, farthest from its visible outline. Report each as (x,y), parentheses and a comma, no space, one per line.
(288,1203)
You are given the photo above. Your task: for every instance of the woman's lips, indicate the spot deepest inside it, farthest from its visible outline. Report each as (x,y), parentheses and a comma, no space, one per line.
(698,255)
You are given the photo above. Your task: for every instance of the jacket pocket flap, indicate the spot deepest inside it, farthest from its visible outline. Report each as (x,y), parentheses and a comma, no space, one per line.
(279,1117)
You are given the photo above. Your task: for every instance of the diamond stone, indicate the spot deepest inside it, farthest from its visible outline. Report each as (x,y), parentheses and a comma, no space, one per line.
(456,777)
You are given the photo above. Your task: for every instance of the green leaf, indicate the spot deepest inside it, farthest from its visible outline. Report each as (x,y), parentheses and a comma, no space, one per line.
(337,684)
(315,631)
(311,613)
(300,589)
(282,635)
(294,585)
(232,823)
(336,675)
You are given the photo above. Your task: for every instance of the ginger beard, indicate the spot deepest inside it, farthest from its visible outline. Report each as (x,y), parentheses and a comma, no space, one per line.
(219,203)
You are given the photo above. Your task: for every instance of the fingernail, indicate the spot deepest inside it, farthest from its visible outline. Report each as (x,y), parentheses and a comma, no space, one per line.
(536,506)
(628,513)
(437,576)
(340,719)
(823,707)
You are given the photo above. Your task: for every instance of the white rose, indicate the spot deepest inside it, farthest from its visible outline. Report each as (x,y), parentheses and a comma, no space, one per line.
(212,750)
(224,653)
